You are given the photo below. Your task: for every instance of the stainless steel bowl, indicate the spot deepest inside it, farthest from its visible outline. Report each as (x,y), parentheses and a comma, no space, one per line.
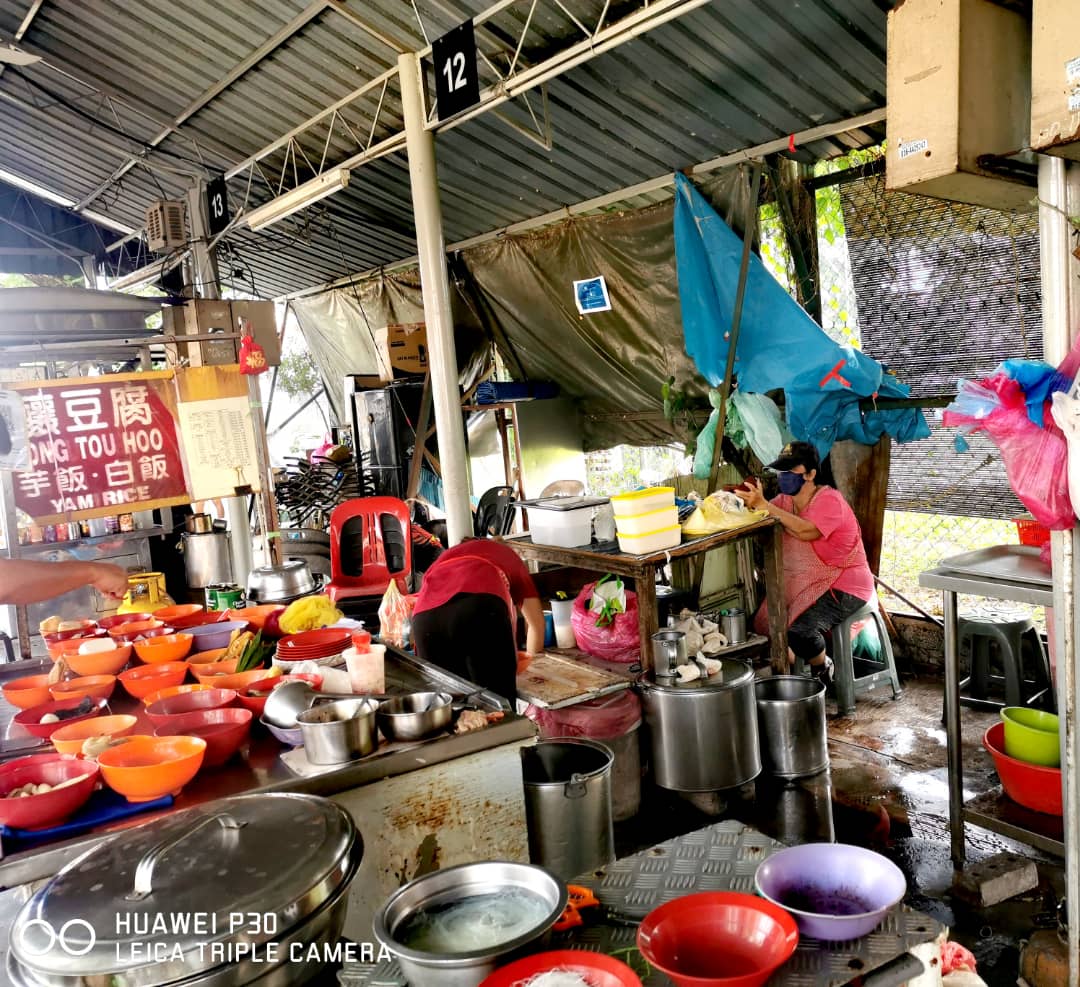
(341,731)
(415,716)
(274,583)
(453,884)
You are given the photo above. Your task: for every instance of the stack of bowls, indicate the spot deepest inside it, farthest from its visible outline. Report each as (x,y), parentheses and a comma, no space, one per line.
(1026,748)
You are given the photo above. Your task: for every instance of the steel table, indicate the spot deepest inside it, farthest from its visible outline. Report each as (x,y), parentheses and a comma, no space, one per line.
(720,857)
(642,569)
(1021,582)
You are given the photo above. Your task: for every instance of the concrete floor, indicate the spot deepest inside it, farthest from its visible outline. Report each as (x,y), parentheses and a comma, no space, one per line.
(886,789)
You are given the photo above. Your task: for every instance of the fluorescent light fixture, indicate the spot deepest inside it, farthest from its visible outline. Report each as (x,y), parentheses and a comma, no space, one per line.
(147,274)
(39,190)
(299,198)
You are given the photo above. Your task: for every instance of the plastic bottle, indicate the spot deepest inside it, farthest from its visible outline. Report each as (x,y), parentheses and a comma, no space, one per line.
(361,640)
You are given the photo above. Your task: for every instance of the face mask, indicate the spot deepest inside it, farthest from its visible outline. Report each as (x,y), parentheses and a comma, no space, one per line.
(790,483)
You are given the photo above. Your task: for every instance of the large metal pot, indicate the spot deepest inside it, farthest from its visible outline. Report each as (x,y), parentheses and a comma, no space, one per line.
(288,859)
(207,559)
(791,724)
(455,884)
(280,583)
(704,733)
(341,731)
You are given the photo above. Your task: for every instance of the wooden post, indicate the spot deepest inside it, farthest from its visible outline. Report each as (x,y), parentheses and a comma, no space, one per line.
(420,446)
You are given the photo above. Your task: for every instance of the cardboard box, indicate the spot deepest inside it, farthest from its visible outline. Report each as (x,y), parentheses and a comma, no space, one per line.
(959,86)
(204,316)
(402,350)
(1055,78)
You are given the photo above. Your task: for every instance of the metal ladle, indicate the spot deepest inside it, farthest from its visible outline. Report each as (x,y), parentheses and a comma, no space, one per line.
(289,700)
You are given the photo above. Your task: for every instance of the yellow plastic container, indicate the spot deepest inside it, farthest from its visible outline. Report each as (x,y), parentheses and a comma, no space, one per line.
(642,524)
(652,541)
(643,501)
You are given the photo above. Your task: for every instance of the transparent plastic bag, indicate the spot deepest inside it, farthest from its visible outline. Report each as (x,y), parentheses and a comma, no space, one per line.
(395,616)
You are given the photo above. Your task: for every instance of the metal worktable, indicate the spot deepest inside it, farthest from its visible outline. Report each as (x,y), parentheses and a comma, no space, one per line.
(1021,579)
(642,569)
(720,857)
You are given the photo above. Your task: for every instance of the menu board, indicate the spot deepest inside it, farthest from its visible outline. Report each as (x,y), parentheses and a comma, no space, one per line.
(219,442)
(98,446)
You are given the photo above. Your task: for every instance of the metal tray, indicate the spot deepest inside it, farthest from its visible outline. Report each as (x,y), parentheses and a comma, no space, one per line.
(562,503)
(1013,563)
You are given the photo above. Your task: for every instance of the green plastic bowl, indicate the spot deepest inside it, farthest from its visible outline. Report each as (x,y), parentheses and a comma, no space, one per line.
(1032,736)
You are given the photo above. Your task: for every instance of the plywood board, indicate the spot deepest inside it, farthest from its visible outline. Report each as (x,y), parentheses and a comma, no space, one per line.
(552,681)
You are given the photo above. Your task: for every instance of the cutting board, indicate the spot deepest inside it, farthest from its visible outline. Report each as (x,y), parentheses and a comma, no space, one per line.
(553,681)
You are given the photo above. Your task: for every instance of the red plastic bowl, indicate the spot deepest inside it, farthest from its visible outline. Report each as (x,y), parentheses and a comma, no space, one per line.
(224,730)
(598,969)
(86,628)
(1030,785)
(257,704)
(108,623)
(718,939)
(30,719)
(162,712)
(50,808)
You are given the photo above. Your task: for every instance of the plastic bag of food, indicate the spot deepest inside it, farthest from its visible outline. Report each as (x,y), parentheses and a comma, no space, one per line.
(720,511)
(614,641)
(395,616)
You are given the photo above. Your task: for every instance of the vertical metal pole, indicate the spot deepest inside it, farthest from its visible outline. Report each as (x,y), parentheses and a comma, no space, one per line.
(431,249)
(1059,193)
(952,730)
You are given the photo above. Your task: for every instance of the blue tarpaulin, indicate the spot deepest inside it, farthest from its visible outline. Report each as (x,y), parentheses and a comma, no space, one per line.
(780,346)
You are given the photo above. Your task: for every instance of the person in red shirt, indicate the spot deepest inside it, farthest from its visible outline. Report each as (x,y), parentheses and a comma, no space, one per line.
(826,575)
(465,618)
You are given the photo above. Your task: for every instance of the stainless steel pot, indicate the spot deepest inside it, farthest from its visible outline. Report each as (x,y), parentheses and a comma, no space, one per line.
(733,626)
(415,716)
(277,583)
(201,865)
(704,734)
(791,724)
(207,559)
(198,524)
(454,884)
(340,731)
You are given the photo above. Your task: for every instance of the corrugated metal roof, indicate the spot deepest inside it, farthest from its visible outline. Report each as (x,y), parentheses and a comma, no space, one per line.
(724,77)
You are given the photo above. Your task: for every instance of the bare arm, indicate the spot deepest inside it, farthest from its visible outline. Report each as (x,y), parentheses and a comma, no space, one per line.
(533,613)
(754,498)
(23,581)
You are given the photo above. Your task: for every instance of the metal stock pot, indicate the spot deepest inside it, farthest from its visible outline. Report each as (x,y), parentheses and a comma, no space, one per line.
(238,891)
(281,583)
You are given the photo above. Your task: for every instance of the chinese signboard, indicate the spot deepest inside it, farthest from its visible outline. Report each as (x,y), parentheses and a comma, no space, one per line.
(99,446)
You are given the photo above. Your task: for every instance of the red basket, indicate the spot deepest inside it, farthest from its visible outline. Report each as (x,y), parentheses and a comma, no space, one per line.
(1031,532)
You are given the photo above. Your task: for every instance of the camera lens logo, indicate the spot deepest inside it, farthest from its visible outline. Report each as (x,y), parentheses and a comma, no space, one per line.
(70,941)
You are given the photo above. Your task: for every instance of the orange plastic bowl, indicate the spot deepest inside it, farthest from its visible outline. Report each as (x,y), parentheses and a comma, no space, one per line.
(100,662)
(30,690)
(132,629)
(69,738)
(94,686)
(167,647)
(1031,785)
(177,614)
(256,616)
(146,768)
(142,680)
(206,657)
(238,680)
(171,690)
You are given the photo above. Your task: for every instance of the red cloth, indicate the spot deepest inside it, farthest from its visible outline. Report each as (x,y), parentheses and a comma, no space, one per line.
(477,566)
(841,543)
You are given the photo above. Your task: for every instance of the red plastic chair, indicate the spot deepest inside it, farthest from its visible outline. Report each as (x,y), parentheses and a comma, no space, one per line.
(370,544)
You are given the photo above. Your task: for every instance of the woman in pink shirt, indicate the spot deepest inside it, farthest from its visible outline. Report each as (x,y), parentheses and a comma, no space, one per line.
(826,575)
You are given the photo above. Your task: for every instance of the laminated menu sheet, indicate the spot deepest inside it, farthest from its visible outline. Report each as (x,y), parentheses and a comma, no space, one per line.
(219,443)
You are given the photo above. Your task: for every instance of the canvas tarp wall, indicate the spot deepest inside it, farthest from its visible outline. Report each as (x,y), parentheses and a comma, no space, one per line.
(519,290)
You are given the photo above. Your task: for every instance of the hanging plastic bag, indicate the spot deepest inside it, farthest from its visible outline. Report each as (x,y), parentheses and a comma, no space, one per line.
(762,424)
(618,641)
(706,440)
(252,357)
(395,616)
(608,599)
(1036,464)
(1066,412)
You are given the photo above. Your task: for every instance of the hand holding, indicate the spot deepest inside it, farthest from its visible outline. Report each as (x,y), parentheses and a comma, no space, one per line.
(754,497)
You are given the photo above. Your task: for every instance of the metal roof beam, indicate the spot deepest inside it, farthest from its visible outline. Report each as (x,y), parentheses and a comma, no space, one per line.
(271,44)
(349,15)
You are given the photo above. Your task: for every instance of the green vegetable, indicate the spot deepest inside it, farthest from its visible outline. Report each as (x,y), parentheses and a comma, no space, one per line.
(255,654)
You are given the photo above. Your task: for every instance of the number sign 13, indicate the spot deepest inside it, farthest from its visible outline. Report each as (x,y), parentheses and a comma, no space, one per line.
(217,206)
(457,83)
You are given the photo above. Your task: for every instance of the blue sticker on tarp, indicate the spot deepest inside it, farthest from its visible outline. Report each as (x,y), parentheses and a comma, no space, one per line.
(591,295)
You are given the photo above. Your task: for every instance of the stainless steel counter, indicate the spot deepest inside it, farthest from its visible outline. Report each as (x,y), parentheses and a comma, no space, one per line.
(260,767)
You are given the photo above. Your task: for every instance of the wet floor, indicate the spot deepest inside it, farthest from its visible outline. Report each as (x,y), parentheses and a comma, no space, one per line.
(886,789)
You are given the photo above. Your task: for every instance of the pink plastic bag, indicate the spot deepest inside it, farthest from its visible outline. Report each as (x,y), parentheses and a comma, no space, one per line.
(608,716)
(619,641)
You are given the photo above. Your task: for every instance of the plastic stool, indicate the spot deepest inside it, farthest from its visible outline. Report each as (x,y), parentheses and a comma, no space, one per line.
(844,678)
(1008,630)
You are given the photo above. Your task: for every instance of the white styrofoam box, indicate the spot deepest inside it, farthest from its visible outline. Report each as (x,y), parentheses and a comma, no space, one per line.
(643,501)
(653,541)
(564,529)
(643,524)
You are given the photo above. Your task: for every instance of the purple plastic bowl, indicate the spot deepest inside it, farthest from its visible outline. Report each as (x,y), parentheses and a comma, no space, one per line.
(211,636)
(835,891)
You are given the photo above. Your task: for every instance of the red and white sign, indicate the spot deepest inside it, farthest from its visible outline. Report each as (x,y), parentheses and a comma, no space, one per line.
(99,445)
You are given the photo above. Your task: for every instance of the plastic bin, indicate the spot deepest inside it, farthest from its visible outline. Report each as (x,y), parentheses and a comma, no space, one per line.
(653,541)
(643,501)
(565,529)
(640,524)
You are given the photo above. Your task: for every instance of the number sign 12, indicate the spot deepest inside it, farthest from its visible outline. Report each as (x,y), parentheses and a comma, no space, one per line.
(217,205)
(457,82)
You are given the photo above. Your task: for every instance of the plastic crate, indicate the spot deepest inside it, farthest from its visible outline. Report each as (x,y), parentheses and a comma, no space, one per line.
(1031,532)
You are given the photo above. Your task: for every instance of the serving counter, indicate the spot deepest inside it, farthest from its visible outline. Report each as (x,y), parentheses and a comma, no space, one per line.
(442,801)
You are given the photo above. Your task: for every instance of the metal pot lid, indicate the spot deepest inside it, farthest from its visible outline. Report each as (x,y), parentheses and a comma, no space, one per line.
(147,906)
(733,674)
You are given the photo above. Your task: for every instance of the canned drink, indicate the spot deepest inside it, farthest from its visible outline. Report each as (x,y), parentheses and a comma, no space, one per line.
(49,533)
(211,596)
(62,531)
(229,596)
(127,522)
(112,525)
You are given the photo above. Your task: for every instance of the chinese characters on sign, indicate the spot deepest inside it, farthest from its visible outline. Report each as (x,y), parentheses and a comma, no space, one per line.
(95,446)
